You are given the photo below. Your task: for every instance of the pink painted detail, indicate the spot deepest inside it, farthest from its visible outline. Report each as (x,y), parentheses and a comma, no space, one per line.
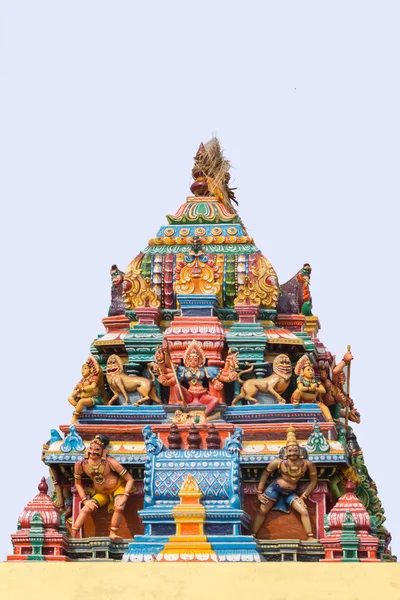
(169,281)
(250,488)
(44,505)
(147,315)
(349,501)
(116,324)
(332,542)
(76,507)
(247,313)
(206,330)
(291,322)
(319,499)
(253,258)
(138,489)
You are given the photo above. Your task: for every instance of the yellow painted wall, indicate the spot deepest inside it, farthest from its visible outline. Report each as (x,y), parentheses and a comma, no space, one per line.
(278,581)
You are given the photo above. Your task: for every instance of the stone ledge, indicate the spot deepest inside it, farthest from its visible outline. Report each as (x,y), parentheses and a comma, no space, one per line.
(196,582)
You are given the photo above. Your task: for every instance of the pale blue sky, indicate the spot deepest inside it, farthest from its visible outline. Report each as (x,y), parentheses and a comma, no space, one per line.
(102,107)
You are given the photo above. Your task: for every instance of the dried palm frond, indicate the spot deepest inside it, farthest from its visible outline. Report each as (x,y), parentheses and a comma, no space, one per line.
(212,164)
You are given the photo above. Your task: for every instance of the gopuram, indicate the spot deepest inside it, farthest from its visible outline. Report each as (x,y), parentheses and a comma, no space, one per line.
(209,423)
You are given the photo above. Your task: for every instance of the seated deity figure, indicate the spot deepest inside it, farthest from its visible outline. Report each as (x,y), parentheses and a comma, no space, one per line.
(282,493)
(111,485)
(89,390)
(309,389)
(194,376)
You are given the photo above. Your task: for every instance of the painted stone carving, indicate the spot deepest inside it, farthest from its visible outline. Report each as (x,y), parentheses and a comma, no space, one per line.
(111,485)
(195,375)
(89,391)
(120,383)
(276,384)
(117,306)
(281,493)
(198,353)
(309,389)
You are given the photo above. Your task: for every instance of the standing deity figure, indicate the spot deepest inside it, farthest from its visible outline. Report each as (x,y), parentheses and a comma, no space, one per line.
(111,484)
(335,397)
(195,376)
(117,306)
(348,410)
(303,277)
(282,493)
(90,389)
(308,387)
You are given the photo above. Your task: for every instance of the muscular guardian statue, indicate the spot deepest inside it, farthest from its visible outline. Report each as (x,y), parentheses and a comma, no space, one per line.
(281,493)
(112,485)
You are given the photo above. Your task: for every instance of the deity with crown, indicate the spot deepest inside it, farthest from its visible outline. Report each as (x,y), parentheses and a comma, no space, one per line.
(194,376)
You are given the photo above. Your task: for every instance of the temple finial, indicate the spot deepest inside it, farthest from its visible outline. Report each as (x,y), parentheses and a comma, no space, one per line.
(43,487)
(211,174)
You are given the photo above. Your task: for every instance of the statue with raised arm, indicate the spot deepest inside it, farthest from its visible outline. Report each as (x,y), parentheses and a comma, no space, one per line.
(282,492)
(335,397)
(196,376)
(111,485)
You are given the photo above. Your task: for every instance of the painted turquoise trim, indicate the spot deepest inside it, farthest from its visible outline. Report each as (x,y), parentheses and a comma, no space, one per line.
(208,249)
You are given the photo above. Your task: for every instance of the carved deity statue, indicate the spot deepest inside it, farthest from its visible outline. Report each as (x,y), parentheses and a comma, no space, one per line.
(111,485)
(117,306)
(348,410)
(303,277)
(90,389)
(281,493)
(309,389)
(195,375)
(335,397)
